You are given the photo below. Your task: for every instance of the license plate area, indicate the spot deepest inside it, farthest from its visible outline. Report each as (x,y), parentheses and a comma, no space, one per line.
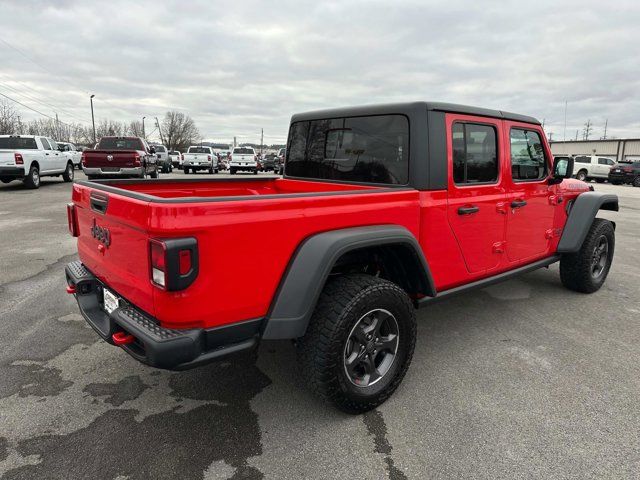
(110,301)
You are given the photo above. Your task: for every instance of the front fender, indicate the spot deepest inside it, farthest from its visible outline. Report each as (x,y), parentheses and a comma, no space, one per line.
(584,209)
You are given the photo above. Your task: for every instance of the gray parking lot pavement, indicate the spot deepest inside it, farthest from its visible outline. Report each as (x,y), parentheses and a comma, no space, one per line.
(520,380)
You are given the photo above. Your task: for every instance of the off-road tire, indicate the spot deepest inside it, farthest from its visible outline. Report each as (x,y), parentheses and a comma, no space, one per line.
(576,268)
(32,180)
(342,303)
(67,176)
(582,175)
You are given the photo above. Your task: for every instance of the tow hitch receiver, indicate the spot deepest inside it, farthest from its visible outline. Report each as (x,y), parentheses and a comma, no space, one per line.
(122,338)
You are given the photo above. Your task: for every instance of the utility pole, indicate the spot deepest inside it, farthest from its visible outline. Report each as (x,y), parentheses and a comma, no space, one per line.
(159,130)
(93,121)
(543,123)
(564,136)
(235,144)
(143,134)
(261,140)
(587,130)
(57,127)
(550,136)
(604,137)
(577,135)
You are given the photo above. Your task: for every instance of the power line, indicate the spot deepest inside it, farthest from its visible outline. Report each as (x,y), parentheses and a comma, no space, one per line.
(32,109)
(42,102)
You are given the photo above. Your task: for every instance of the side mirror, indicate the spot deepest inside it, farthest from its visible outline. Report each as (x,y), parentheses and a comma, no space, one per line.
(562,168)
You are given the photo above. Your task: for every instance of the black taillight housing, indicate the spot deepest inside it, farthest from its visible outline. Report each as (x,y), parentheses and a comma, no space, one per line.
(173,262)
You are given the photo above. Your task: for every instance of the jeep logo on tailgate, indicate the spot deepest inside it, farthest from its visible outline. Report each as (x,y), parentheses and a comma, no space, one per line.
(101,234)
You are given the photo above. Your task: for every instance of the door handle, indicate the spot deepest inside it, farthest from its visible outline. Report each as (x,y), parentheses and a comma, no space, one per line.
(46,154)
(518,203)
(468,210)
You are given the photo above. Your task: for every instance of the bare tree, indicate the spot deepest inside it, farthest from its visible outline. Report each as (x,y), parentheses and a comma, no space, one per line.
(179,130)
(9,118)
(135,128)
(586,131)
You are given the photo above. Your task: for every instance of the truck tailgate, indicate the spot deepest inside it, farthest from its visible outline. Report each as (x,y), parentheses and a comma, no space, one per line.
(110,158)
(113,243)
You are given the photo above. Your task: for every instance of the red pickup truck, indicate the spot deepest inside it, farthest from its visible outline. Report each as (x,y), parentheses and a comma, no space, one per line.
(120,157)
(382,210)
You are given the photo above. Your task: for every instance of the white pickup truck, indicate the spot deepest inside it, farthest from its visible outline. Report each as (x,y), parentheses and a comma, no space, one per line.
(592,167)
(200,158)
(28,158)
(72,152)
(243,159)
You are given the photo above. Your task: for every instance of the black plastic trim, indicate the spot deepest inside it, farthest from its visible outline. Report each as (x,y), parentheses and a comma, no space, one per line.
(13,172)
(437,161)
(154,345)
(311,264)
(111,187)
(486,282)
(176,281)
(581,215)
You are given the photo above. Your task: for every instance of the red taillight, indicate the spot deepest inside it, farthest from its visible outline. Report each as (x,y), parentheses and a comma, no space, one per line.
(83,159)
(174,262)
(18,158)
(628,169)
(184,260)
(158,263)
(182,156)
(209,157)
(136,160)
(72,220)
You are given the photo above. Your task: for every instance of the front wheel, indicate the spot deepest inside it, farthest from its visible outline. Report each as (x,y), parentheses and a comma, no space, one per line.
(586,270)
(359,342)
(67,176)
(582,175)
(636,181)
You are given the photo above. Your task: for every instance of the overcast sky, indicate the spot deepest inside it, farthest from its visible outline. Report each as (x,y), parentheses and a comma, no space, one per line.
(241,65)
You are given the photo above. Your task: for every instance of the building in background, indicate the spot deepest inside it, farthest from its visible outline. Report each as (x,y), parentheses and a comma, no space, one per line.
(623,150)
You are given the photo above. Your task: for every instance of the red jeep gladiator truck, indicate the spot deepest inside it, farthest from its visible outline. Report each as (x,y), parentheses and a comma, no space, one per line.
(382,210)
(118,157)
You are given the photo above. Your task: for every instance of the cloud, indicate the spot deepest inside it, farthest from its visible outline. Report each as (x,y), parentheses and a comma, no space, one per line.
(236,67)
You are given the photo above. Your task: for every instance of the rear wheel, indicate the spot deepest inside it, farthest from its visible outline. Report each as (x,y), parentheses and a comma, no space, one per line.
(255,172)
(185,170)
(32,180)
(5,179)
(232,171)
(582,175)
(586,270)
(67,176)
(155,173)
(636,181)
(359,342)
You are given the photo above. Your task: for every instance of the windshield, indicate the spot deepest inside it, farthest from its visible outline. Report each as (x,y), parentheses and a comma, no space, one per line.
(113,143)
(243,151)
(372,149)
(199,150)
(160,148)
(18,143)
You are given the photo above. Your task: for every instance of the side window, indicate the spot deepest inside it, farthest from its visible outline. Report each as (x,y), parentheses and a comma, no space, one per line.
(582,159)
(603,161)
(610,162)
(475,158)
(45,143)
(527,155)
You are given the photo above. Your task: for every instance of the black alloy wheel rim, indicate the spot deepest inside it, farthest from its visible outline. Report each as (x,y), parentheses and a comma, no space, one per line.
(600,256)
(371,348)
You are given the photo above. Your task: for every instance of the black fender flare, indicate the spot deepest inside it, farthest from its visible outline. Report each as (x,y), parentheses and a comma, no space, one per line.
(584,210)
(309,268)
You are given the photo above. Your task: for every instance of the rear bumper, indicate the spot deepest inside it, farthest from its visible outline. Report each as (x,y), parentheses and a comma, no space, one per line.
(153,344)
(13,172)
(622,177)
(120,171)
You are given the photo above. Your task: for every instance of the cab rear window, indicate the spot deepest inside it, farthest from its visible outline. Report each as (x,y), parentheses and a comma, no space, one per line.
(368,149)
(199,150)
(120,144)
(18,143)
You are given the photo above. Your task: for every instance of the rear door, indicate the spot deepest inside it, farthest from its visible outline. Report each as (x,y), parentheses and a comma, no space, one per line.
(48,159)
(476,199)
(531,200)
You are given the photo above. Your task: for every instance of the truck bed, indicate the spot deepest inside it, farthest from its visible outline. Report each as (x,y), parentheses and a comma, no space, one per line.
(247,231)
(193,190)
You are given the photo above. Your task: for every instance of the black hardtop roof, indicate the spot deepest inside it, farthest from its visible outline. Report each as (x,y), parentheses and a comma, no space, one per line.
(408,108)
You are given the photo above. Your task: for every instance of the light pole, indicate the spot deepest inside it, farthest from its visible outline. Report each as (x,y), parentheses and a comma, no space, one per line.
(143,134)
(93,121)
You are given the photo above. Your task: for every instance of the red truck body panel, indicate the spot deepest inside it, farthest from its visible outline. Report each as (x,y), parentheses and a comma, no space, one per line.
(119,158)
